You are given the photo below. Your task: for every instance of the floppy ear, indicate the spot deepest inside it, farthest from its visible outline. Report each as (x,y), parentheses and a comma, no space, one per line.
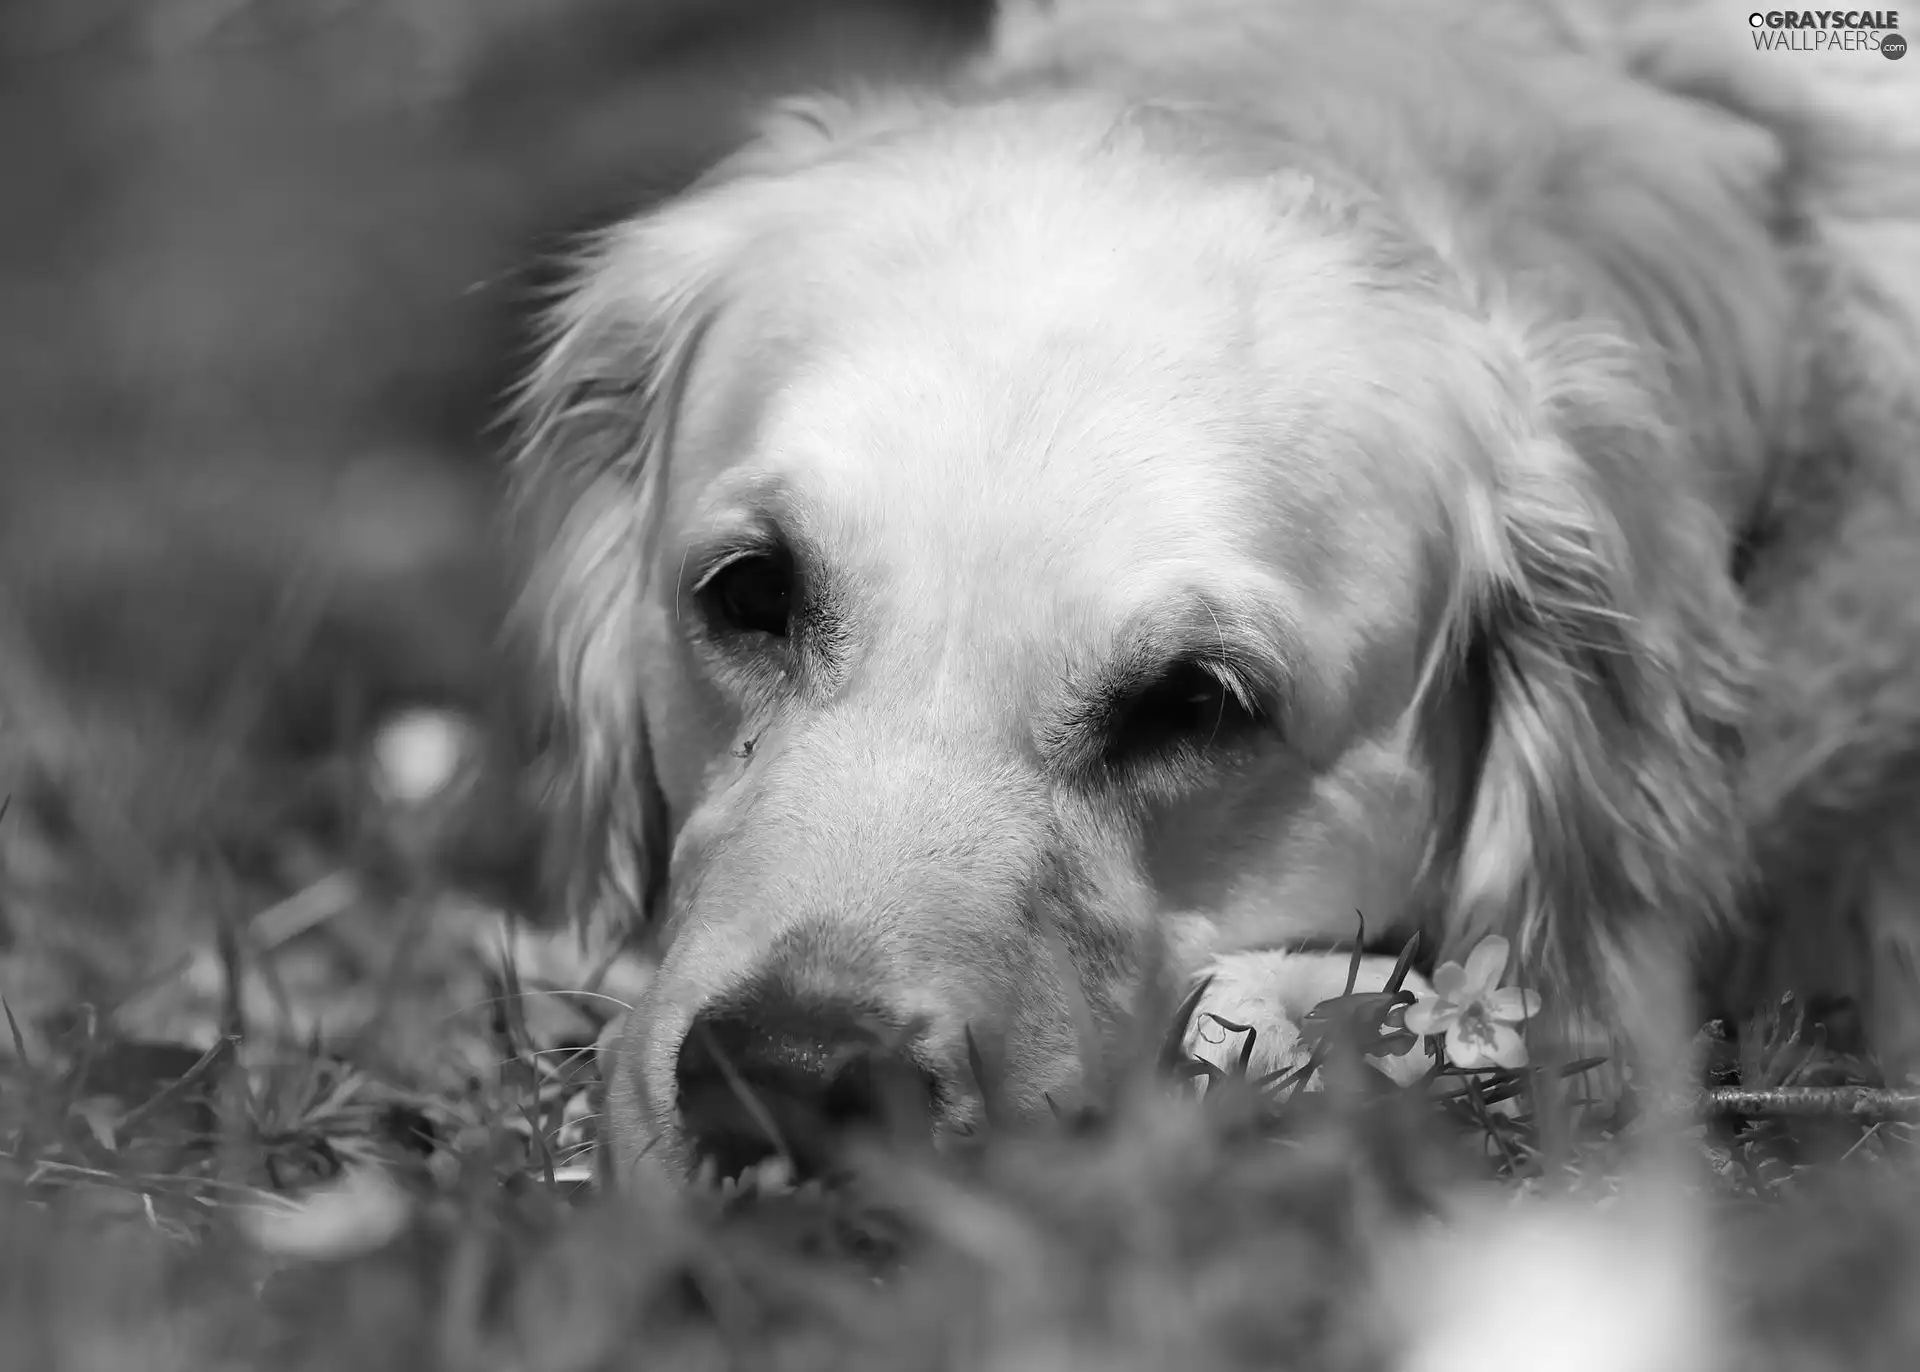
(595,420)
(1609,642)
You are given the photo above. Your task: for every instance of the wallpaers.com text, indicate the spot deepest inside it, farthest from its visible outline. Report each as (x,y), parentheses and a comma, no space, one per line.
(1828,31)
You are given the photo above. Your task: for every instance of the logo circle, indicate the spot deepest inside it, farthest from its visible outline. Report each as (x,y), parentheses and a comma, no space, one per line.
(1893,47)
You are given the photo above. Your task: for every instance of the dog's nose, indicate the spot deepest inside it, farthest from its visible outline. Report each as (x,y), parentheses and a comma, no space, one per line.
(772,1076)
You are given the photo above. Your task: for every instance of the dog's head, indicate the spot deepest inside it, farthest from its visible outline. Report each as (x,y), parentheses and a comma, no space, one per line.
(986,550)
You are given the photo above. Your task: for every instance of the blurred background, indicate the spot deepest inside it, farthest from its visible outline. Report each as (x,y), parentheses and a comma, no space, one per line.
(265,267)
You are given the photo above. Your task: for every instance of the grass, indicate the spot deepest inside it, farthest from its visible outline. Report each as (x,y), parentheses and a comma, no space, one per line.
(346,1129)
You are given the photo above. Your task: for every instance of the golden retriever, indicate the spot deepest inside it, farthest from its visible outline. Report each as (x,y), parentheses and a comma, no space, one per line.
(1214,467)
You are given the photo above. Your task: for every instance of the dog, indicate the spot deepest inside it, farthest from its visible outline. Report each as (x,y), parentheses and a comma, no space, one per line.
(1209,469)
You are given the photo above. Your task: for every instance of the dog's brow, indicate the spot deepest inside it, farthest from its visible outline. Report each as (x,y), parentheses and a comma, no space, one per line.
(1202,625)
(1193,627)
(708,556)
(759,515)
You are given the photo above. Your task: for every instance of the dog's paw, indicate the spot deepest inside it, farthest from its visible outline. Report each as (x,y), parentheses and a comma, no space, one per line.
(1262,998)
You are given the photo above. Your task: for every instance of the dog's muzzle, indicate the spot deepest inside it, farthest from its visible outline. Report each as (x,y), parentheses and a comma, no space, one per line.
(771,1075)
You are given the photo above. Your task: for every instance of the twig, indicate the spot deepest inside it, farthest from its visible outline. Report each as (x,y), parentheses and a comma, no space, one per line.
(1870,1103)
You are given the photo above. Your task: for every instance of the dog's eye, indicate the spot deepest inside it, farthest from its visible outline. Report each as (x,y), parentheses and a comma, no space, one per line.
(754,595)
(1190,704)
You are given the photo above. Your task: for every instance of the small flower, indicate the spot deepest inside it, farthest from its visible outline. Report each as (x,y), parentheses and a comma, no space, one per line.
(358,1212)
(1475,1012)
(419,754)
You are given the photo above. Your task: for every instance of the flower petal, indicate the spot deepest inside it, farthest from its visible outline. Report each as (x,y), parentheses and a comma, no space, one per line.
(1466,1047)
(1449,980)
(1432,1015)
(1486,964)
(1513,1003)
(1508,1048)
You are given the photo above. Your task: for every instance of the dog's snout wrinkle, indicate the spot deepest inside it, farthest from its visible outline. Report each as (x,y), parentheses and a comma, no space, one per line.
(776,1076)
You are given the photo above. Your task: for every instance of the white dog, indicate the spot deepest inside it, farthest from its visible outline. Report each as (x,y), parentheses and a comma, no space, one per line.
(1219,466)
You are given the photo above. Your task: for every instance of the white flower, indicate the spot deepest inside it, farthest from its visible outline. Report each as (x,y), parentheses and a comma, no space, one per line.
(417,755)
(358,1212)
(1475,1012)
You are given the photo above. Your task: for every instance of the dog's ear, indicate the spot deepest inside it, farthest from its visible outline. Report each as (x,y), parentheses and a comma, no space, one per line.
(596,421)
(1608,645)
(595,425)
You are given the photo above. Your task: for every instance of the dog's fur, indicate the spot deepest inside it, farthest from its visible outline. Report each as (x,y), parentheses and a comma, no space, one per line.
(1414,376)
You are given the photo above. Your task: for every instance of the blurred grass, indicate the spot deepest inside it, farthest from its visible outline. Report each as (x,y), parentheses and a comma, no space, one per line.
(147,1220)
